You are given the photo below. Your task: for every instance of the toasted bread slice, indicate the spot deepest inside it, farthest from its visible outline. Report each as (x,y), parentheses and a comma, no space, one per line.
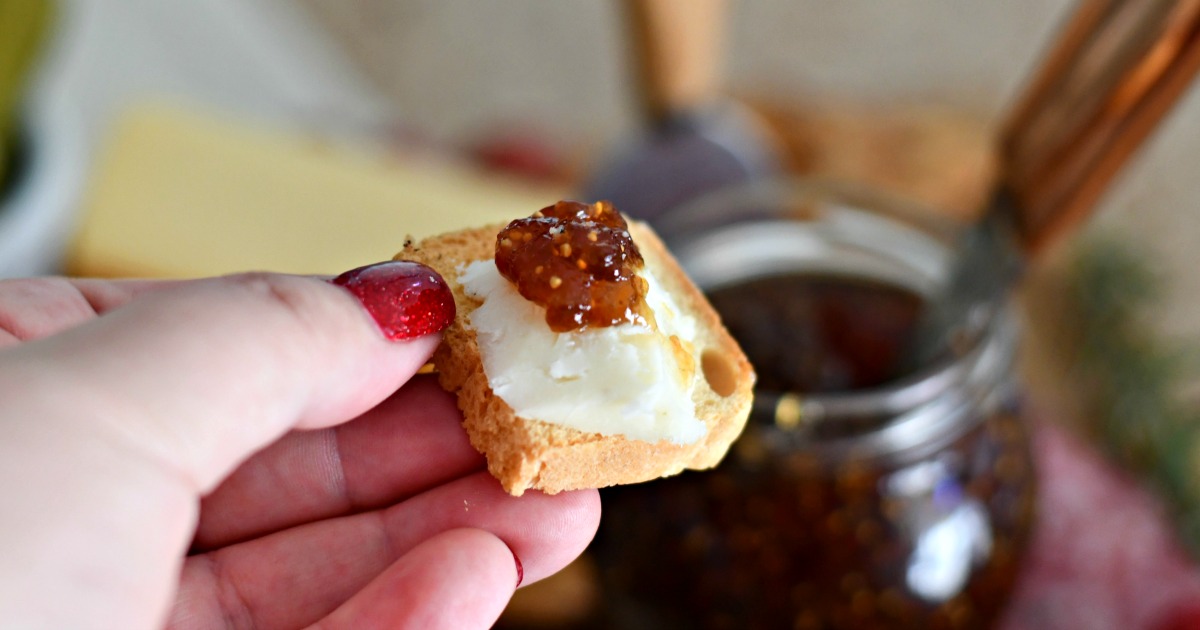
(525,453)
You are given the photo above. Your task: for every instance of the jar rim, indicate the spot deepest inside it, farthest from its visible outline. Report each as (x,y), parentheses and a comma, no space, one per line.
(759,229)
(713,208)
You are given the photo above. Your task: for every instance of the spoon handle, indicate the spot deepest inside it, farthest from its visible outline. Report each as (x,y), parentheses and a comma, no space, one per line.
(1117,68)
(677,49)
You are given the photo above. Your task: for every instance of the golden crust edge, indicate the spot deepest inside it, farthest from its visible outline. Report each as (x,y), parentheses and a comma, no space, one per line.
(526,454)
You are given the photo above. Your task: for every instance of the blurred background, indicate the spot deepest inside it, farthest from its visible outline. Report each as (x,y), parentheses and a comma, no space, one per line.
(154,138)
(548,90)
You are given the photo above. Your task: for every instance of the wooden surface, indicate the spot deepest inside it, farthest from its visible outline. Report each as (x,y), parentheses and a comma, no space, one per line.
(677,50)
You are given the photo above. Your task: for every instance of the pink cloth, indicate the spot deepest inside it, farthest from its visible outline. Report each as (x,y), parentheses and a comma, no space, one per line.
(1103,554)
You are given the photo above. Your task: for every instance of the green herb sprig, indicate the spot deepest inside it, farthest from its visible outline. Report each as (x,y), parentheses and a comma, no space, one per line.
(1132,378)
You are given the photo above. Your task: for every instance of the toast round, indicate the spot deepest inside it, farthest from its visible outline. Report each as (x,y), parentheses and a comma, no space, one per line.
(524,453)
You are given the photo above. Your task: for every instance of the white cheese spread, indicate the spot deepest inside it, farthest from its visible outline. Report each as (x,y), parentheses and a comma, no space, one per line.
(630,379)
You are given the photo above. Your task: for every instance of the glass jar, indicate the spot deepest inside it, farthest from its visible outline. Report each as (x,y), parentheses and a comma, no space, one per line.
(866,491)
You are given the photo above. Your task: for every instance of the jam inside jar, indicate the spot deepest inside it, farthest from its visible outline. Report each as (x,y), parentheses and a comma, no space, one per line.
(865,492)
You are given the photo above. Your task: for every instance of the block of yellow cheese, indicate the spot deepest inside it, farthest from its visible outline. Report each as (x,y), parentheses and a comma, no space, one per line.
(183,193)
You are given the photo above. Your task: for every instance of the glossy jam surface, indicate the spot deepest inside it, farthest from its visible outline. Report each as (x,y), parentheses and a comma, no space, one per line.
(784,535)
(578,261)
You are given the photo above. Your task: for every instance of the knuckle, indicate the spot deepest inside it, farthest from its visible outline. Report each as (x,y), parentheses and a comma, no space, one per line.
(289,302)
(288,294)
(32,308)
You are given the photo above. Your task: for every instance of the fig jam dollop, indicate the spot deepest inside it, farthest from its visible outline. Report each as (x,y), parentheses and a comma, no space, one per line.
(578,261)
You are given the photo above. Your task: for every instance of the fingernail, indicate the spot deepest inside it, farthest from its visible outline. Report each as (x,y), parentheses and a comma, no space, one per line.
(520,569)
(405,298)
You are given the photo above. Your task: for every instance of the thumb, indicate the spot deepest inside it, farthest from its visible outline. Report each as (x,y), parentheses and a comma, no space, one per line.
(203,374)
(109,430)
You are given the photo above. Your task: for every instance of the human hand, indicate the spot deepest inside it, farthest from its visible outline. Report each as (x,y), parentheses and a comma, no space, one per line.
(184,453)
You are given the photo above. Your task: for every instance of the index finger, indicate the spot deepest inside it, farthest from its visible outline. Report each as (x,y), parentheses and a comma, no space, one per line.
(410,443)
(33,308)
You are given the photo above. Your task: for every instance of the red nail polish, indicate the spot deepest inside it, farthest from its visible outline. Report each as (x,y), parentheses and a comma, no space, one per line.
(520,569)
(406,299)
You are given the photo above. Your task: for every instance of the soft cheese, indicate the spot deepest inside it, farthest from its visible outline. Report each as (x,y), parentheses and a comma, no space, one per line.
(635,380)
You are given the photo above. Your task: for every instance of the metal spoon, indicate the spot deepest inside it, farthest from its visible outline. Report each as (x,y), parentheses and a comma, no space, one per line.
(695,141)
(1116,69)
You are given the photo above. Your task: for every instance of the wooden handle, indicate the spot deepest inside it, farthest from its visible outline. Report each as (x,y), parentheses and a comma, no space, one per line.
(1117,69)
(677,48)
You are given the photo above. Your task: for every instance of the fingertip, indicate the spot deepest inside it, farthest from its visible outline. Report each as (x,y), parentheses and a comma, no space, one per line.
(569,521)
(460,578)
(582,513)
